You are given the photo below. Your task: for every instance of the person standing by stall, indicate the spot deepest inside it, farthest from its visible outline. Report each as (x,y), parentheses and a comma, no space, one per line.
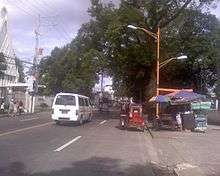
(179,121)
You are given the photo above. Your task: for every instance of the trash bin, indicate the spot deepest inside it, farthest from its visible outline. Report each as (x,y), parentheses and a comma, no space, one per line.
(188,121)
(200,122)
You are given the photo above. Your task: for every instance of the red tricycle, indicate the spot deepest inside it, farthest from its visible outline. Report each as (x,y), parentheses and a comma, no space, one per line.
(131,116)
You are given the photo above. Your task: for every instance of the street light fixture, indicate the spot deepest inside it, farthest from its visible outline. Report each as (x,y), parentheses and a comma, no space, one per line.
(182,57)
(162,64)
(132,27)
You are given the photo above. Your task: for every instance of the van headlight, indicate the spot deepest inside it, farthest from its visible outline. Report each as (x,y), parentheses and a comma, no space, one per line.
(52,111)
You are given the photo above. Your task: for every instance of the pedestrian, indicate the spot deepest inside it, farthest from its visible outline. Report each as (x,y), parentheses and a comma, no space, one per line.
(20,107)
(179,121)
(11,109)
(15,107)
(2,107)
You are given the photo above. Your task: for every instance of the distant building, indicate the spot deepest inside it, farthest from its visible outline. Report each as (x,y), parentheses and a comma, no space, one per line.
(10,75)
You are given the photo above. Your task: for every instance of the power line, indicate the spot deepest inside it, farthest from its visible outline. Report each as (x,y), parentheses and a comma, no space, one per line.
(17,58)
(54,18)
(61,33)
(29,7)
(26,6)
(36,9)
(45,3)
(22,9)
(33,5)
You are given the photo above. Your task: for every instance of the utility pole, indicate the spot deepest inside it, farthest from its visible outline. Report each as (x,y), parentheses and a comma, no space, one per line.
(34,70)
(37,33)
(102,79)
(158,70)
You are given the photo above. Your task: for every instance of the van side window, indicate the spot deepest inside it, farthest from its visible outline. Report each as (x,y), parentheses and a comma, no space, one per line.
(90,103)
(86,102)
(81,102)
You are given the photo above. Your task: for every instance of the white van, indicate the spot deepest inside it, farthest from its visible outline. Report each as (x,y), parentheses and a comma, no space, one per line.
(68,107)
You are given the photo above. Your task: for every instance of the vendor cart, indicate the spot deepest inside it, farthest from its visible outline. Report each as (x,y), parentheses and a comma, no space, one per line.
(131,117)
(200,110)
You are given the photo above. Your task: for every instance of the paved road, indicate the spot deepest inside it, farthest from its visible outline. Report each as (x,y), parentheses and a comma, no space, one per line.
(35,146)
(197,149)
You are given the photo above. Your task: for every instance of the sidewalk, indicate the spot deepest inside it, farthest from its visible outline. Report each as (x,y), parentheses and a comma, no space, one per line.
(214,118)
(23,114)
(197,153)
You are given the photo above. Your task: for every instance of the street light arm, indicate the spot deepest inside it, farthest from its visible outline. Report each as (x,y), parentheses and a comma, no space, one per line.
(162,64)
(148,32)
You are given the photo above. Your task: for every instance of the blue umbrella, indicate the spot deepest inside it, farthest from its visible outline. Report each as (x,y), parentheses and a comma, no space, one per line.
(186,95)
(160,99)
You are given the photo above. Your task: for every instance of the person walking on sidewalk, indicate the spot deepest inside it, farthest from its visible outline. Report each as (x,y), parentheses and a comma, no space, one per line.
(20,107)
(3,107)
(12,110)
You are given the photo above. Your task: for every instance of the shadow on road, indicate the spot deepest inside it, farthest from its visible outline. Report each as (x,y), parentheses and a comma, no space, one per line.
(95,166)
(106,115)
(128,129)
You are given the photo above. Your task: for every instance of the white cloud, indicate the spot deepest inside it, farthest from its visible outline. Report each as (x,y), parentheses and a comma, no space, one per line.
(216,11)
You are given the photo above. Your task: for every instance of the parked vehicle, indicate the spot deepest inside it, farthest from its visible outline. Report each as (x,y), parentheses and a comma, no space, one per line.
(69,107)
(131,117)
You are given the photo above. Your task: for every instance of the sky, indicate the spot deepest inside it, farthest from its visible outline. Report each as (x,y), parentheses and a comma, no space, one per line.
(59,19)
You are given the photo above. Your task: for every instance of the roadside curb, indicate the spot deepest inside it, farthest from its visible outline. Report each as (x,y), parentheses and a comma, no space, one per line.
(24,114)
(183,169)
(186,169)
(161,170)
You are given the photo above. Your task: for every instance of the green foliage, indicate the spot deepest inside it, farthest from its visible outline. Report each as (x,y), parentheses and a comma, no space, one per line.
(217,90)
(106,45)
(196,38)
(69,71)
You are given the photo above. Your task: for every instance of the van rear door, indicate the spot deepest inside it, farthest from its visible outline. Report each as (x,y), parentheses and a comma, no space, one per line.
(65,107)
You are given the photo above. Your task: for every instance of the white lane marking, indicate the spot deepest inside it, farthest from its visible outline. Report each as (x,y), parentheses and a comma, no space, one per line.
(25,129)
(102,122)
(67,144)
(23,120)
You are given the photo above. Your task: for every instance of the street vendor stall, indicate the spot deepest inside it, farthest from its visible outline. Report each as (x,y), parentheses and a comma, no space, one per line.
(178,111)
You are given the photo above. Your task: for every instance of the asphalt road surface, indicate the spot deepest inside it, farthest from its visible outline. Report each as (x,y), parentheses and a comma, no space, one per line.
(35,146)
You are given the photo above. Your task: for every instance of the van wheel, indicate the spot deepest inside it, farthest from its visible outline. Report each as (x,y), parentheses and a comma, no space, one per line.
(142,129)
(57,122)
(81,121)
(90,117)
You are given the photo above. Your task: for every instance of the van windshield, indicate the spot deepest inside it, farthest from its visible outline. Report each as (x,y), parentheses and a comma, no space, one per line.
(65,100)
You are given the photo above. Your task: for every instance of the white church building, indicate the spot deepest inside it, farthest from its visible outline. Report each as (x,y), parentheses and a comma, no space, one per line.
(11,74)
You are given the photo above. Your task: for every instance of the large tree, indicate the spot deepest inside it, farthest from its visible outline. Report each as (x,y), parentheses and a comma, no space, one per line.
(68,70)
(106,45)
(185,28)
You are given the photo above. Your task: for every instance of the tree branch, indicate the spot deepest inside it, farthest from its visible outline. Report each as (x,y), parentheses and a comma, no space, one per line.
(176,14)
